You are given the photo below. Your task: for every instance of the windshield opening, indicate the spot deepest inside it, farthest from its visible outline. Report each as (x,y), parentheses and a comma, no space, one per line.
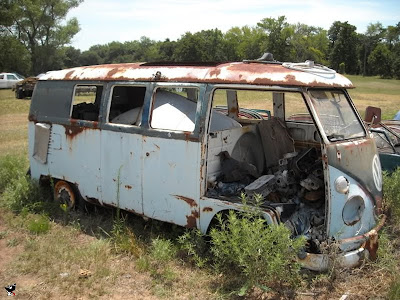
(338,119)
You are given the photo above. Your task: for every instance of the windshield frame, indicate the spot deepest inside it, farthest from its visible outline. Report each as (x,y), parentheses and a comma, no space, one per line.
(326,135)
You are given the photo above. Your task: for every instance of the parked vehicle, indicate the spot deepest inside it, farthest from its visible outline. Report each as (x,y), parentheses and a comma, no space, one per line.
(25,87)
(7,80)
(180,142)
(387,137)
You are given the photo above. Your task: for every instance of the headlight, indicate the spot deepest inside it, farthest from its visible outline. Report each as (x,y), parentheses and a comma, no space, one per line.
(353,210)
(342,185)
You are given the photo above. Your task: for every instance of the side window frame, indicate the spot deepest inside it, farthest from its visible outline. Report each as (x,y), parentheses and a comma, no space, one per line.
(197,122)
(98,98)
(109,101)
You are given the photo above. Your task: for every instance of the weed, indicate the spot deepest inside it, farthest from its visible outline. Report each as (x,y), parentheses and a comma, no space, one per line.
(162,251)
(24,193)
(194,244)
(3,234)
(391,192)
(124,240)
(261,255)
(40,224)
(12,242)
(143,264)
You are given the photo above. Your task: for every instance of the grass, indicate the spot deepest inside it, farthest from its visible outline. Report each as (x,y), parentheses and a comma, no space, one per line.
(373,91)
(13,123)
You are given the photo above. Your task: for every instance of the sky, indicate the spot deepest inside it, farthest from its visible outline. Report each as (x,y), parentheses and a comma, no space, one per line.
(104,21)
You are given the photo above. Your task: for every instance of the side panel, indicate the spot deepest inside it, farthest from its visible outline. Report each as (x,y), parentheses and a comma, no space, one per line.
(121,163)
(73,155)
(171,180)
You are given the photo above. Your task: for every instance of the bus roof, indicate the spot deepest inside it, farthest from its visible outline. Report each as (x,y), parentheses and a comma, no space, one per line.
(254,73)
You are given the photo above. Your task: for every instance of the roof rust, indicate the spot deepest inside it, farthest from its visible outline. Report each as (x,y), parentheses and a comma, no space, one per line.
(228,73)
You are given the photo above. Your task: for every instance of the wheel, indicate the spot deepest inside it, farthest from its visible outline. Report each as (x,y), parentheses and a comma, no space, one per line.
(64,194)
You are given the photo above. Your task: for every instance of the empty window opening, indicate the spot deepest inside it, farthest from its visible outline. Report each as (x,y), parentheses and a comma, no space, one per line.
(86,102)
(127,105)
(174,109)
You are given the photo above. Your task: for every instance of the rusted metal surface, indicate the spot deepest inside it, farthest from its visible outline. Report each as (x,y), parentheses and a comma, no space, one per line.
(368,235)
(189,201)
(207,209)
(234,73)
(192,219)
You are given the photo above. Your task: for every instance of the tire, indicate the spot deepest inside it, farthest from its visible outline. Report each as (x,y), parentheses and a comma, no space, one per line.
(64,194)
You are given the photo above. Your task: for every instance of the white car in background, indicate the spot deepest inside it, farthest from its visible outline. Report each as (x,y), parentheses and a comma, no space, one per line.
(7,80)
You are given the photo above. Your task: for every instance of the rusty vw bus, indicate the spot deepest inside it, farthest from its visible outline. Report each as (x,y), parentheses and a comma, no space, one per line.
(180,143)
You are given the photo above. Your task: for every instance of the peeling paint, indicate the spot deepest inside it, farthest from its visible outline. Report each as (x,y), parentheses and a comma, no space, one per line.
(189,201)
(234,73)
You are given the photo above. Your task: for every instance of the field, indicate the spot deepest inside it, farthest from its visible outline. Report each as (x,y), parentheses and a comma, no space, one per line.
(101,254)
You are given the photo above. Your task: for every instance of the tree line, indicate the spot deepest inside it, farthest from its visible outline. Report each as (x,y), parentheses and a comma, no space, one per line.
(34,38)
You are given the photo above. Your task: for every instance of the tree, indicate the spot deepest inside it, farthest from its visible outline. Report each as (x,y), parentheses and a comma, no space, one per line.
(343,48)
(38,25)
(381,61)
(374,34)
(13,56)
(244,43)
(279,34)
(206,45)
(309,43)
(71,57)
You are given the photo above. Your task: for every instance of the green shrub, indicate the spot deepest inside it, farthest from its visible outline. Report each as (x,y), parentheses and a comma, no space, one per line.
(162,251)
(194,244)
(40,224)
(123,239)
(342,68)
(22,193)
(255,253)
(391,195)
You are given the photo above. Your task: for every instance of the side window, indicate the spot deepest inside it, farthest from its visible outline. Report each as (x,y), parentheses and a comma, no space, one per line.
(127,105)
(296,109)
(1,76)
(11,77)
(174,109)
(243,105)
(86,102)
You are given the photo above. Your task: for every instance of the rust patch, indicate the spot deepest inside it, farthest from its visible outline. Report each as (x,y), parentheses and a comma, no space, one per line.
(367,235)
(112,72)
(128,186)
(290,78)
(72,131)
(188,137)
(372,245)
(215,72)
(68,76)
(233,110)
(207,209)
(191,220)
(32,118)
(189,201)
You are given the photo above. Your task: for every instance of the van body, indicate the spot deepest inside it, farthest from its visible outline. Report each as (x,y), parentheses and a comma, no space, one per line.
(181,142)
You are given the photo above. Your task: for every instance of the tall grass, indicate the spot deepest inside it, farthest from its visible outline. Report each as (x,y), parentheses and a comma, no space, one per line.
(391,195)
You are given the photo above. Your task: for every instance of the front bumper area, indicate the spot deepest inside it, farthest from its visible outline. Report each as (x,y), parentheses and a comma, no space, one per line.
(349,259)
